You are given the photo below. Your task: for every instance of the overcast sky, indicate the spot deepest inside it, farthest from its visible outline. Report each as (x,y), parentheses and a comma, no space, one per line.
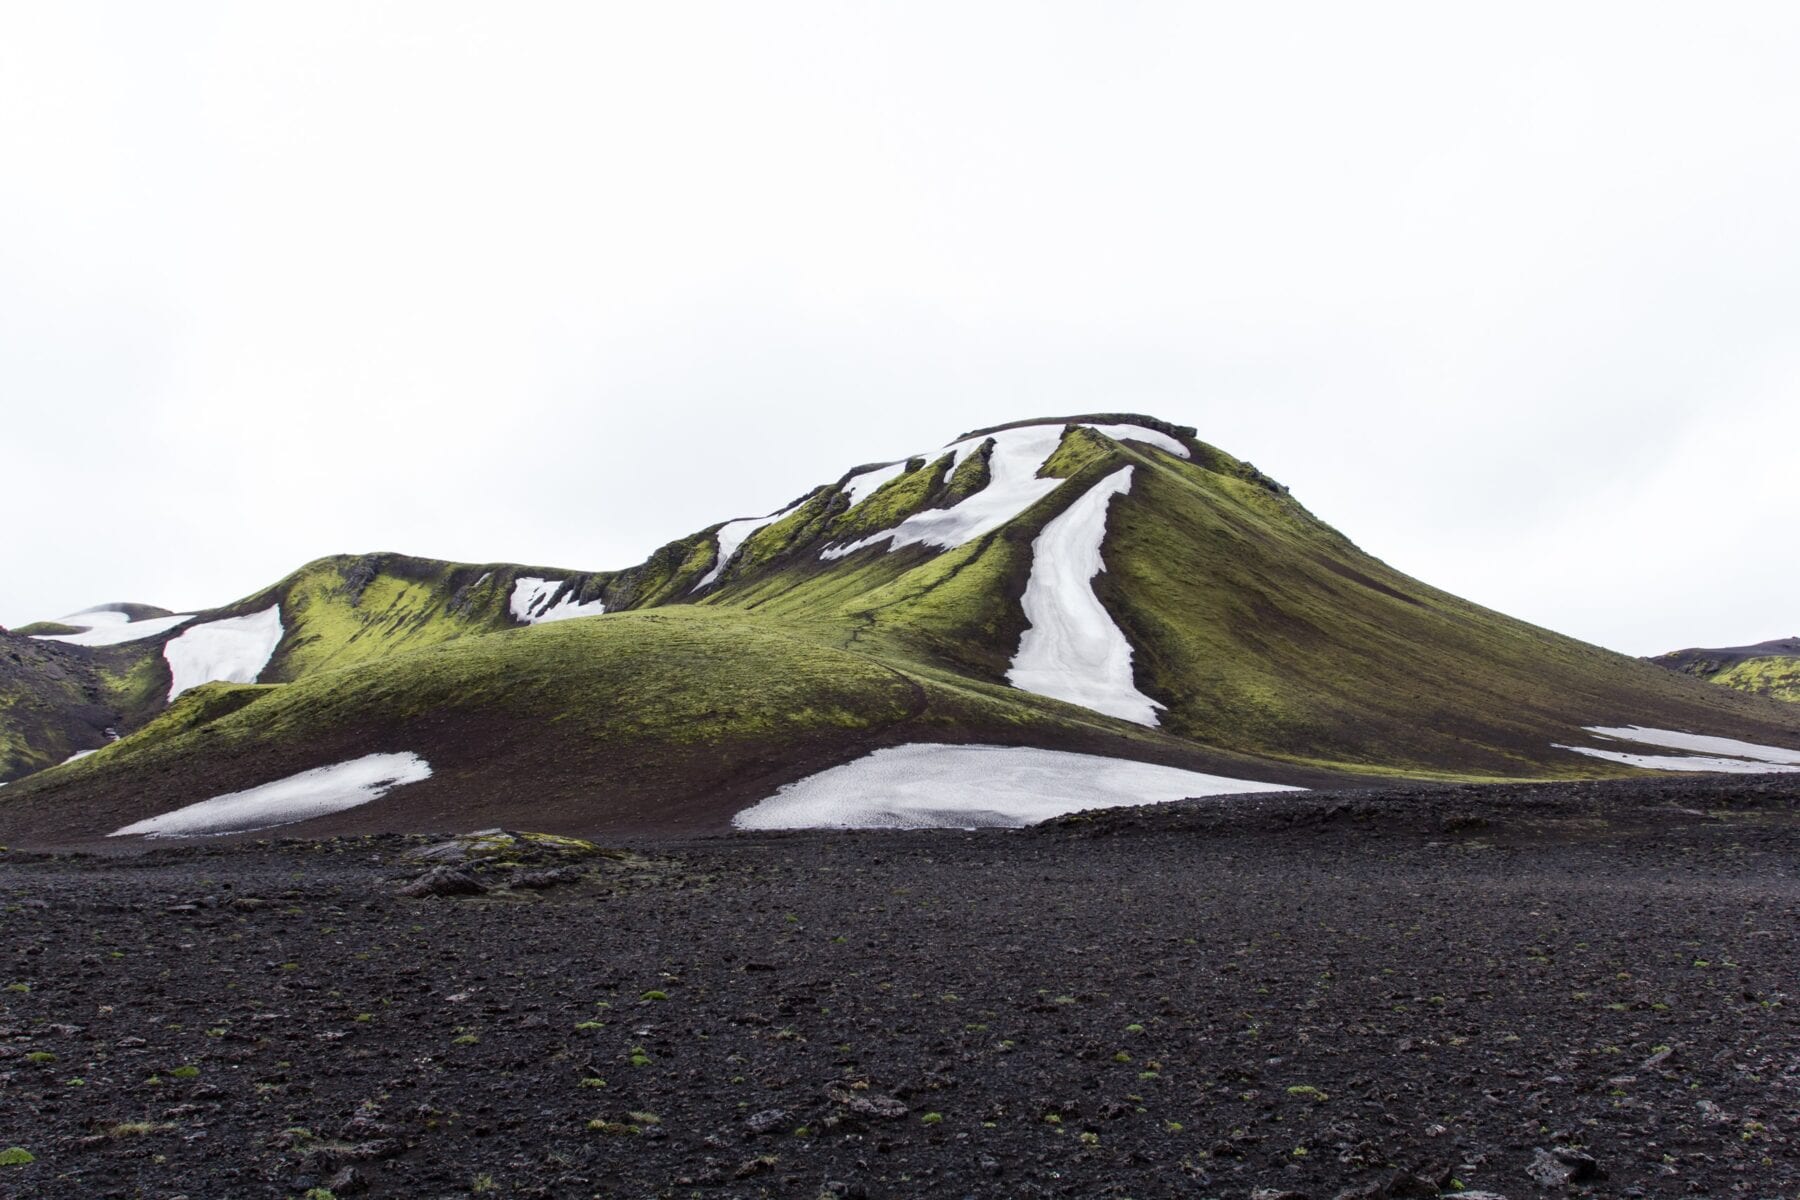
(1509,293)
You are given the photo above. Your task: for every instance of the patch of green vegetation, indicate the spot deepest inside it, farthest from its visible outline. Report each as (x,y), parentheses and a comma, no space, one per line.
(777,539)
(16,1156)
(666,576)
(47,629)
(40,1057)
(894,501)
(344,611)
(972,474)
(1080,449)
(1777,677)
(133,1129)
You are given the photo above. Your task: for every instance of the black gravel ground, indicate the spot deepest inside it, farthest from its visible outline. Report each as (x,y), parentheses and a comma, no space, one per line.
(1523,991)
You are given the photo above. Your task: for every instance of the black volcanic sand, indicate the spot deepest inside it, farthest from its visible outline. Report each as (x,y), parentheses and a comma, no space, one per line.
(1398,991)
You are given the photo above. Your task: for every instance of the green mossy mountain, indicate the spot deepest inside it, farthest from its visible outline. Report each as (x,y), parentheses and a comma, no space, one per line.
(1277,649)
(1766,669)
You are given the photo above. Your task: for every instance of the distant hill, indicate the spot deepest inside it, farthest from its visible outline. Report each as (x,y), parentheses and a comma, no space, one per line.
(1765,669)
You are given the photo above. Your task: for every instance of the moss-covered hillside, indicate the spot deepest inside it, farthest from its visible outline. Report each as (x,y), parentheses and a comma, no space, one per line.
(882,607)
(1766,669)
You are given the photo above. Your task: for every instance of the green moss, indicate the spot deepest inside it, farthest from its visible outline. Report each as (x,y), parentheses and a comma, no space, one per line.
(776,540)
(894,501)
(344,612)
(1775,676)
(666,576)
(1079,449)
(46,629)
(16,1156)
(971,475)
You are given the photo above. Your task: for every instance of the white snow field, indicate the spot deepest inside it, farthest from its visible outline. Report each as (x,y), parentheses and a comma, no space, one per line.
(1072,649)
(230,650)
(301,797)
(110,627)
(733,534)
(928,785)
(1013,486)
(531,602)
(1744,758)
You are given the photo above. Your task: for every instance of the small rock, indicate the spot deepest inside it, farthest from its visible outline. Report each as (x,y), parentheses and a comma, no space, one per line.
(1583,1167)
(767,1119)
(865,1105)
(537,881)
(444,881)
(348,1182)
(1562,1166)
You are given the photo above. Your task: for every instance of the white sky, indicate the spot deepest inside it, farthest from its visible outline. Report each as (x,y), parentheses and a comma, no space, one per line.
(1508,293)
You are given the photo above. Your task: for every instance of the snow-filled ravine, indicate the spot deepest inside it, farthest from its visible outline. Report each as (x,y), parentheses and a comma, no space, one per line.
(732,535)
(1072,649)
(229,650)
(1707,753)
(314,793)
(110,627)
(929,785)
(534,601)
(1013,486)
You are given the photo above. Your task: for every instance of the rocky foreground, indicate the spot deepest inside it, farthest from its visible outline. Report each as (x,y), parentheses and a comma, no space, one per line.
(1520,991)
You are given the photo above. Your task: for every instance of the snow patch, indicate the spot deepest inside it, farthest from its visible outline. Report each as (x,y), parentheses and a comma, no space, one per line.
(534,601)
(1072,649)
(110,627)
(231,650)
(1013,486)
(861,487)
(314,793)
(930,785)
(734,534)
(1741,758)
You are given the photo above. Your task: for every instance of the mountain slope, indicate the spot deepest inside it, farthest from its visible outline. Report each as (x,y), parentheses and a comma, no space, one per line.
(1212,621)
(1766,669)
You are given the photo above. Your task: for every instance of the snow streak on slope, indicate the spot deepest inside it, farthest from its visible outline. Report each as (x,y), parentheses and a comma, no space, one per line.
(1013,486)
(1746,758)
(1072,649)
(532,602)
(1698,743)
(232,650)
(733,534)
(299,797)
(929,785)
(861,487)
(110,627)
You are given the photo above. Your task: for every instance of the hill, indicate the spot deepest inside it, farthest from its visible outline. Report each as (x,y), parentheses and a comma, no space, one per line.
(1766,669)
(1107,585)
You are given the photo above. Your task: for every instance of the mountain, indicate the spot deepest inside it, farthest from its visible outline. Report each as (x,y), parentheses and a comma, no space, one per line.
(1086,590)
(1765,669)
